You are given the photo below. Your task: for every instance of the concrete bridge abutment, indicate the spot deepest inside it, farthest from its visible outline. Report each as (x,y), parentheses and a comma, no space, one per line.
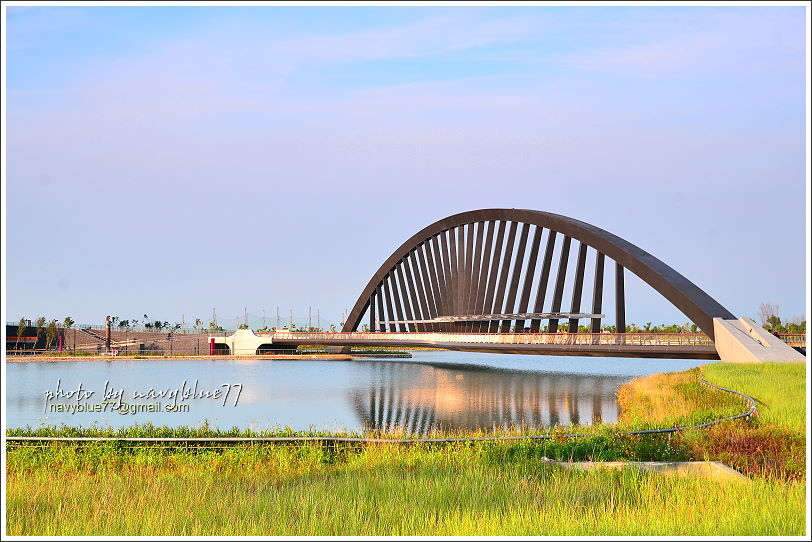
(743,341)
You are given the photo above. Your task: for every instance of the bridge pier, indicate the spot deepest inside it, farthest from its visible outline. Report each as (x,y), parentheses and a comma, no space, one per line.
(247,343)
(743,341)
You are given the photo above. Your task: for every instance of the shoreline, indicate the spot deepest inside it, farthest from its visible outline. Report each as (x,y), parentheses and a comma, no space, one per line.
(255,357)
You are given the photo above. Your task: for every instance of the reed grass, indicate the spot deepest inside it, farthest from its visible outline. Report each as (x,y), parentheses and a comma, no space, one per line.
(485,489)
(674,400)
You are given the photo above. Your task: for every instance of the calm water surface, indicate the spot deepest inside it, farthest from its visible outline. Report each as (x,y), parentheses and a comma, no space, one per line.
(434,389)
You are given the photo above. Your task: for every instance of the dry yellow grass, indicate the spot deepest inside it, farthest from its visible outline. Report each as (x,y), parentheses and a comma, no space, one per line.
(674,399)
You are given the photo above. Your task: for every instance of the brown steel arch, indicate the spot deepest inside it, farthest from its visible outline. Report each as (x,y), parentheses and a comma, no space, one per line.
(460,265)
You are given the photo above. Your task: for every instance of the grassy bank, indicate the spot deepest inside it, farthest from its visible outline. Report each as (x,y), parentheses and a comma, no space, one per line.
(486,488)
(771,444)
(381,490)
(780,389)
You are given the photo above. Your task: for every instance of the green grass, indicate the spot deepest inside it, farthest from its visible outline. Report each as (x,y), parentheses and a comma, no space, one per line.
(779,389)
(488,489)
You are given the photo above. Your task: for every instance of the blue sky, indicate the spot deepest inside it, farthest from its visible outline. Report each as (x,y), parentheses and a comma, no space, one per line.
(168,160)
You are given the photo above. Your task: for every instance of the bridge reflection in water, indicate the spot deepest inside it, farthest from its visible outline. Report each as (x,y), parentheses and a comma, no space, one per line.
(419,398)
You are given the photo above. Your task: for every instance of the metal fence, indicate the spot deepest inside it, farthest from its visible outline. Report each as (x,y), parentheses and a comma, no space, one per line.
(140,328)
(793,339)
(562,338)
(572,339)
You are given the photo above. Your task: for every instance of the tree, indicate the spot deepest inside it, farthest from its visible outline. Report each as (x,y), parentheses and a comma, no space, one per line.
(40,327)
(125,325)
(20,330)
(68,323)
(51,333)
(774,324)
(797,325)
(214,327)
(765,310)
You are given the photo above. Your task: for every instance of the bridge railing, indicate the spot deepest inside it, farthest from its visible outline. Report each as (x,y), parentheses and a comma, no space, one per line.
(571,339)
(793,339)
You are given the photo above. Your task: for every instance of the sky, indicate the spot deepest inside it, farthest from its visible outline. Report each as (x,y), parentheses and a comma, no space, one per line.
(174,160)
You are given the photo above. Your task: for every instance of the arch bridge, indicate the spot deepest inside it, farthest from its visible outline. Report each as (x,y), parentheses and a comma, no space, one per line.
(485,280)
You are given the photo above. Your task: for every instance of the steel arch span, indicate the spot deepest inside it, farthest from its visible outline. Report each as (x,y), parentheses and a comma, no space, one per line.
(491,270)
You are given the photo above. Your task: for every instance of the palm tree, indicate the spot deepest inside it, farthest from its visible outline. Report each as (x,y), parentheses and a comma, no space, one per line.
(68,323)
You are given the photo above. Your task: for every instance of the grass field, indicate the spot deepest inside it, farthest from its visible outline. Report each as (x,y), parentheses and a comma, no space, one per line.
(780,389)
(487,488)
(482,489)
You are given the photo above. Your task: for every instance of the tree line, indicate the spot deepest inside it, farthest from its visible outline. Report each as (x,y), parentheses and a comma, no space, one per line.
(43,327)
(768,312)
(770,320)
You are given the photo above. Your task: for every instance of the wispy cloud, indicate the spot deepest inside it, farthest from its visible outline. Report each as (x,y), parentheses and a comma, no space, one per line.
(724,44)
(429,37)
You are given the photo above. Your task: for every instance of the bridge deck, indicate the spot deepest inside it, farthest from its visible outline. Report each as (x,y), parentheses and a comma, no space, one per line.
(636,345)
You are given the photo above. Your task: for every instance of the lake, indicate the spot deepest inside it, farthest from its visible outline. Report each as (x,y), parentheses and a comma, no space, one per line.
(434,389)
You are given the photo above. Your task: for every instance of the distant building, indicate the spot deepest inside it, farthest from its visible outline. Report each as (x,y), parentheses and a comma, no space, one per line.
(28,343)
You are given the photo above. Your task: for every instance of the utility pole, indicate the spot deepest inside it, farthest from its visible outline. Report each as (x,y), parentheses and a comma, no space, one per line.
(291,318)
(309,319)
(277,317)
(263,318)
